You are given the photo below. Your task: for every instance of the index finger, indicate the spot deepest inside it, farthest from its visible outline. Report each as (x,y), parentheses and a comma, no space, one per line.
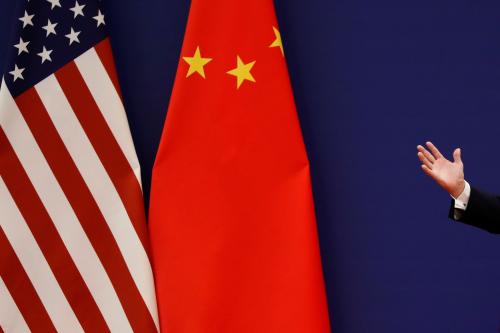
(437,154)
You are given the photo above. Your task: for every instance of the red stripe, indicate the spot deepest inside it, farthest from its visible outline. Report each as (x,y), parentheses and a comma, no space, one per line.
(105,53)
(49,241)
(86,209)
(21,289)
(106,147)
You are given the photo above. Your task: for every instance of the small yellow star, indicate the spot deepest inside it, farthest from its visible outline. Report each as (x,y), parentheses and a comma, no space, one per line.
(242,71)
(196,63)
(277,42)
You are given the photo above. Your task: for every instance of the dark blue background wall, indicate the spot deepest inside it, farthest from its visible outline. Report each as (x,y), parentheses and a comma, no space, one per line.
(372,79)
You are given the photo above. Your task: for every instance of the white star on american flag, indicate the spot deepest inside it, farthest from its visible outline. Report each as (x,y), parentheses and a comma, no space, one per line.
(45,55)
(54,3)
(77,9)
(73,36)
(99,18)
(17,73)
(26,19)
(22,46)
(50,28)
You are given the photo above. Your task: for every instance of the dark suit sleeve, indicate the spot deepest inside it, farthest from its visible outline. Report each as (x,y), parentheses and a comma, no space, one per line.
(483,211)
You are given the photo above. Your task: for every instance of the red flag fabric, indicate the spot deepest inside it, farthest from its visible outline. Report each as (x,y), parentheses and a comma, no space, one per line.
(232,222)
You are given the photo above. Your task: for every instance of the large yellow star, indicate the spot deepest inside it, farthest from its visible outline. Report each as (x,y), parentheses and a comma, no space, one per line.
(277,42)
(196,63)
(242,71)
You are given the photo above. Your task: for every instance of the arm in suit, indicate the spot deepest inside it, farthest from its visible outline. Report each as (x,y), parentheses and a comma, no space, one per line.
(469,205)
(482,211)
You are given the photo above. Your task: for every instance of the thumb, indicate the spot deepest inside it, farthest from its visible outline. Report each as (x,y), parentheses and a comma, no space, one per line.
(457,155)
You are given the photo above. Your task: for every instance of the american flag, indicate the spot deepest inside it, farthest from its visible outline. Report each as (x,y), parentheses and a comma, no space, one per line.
(73,240)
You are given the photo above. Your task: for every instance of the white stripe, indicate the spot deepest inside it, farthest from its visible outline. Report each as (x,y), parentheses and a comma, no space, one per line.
(35,265)
(61,213)
(11,319)
(101,187)
(109,102)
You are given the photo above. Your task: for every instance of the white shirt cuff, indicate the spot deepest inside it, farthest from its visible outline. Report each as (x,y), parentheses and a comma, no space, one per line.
(463,199)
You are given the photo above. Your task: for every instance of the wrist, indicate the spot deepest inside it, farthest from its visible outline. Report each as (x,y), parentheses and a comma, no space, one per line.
(457,190)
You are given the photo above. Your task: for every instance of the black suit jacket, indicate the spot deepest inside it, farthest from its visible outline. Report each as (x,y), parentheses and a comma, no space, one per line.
(483,211)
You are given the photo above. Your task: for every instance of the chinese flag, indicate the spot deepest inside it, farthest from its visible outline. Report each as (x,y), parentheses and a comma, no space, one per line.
(233,230)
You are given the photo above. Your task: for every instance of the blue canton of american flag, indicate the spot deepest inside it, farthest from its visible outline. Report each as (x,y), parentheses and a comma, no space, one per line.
(50,34)
(74,252)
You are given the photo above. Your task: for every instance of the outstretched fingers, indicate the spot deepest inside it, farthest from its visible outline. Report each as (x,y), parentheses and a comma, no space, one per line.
(427,170)
(426,153)
(435,152)
(425,161)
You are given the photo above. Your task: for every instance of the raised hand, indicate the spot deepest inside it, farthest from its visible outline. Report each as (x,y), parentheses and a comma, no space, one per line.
(449,175)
